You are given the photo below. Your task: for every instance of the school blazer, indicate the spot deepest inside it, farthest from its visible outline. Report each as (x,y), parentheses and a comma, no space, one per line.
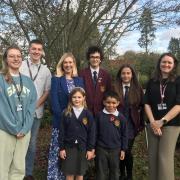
(94,95)
(137,114)
(59,96)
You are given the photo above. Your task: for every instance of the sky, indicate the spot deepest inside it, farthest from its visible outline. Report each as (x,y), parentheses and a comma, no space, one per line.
(159,45)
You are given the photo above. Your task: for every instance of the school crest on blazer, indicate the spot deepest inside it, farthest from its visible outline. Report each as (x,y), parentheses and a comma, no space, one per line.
(85,121)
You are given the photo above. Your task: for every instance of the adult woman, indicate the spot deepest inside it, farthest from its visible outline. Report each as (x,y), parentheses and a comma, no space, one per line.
(61,85)
(161,99)
(130,93)
(18,102)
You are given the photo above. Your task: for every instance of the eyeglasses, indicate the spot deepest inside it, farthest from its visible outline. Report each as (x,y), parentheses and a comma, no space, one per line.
(95,57)
(14,56)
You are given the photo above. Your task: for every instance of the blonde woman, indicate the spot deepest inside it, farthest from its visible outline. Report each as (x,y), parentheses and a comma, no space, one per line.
(65,80)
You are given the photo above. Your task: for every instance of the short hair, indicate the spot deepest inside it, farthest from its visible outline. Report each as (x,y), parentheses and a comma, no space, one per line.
(94,49)
(36,41)
(59,67)
(111,94)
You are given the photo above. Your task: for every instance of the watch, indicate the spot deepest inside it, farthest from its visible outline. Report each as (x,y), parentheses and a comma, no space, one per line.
(165,121)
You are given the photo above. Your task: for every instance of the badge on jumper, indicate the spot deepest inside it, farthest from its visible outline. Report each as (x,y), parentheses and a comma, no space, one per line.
(19,107)
(162,106)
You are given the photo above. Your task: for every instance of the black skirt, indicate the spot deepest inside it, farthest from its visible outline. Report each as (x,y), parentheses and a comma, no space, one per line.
(75,162)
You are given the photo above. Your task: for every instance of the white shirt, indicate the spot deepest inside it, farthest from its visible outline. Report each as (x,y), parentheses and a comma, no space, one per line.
(77,111)
(92,70)
(124,89)
(115,113)
(42,82)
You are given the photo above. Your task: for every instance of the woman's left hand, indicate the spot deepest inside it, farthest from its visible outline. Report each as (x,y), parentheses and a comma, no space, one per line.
(158,123)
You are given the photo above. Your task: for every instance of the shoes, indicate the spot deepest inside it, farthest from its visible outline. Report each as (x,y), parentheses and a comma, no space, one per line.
(29,178)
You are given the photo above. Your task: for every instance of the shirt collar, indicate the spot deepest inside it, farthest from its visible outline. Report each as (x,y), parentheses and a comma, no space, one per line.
(31,63)
(115,113)
(126,85)
(77,109)
(92,70)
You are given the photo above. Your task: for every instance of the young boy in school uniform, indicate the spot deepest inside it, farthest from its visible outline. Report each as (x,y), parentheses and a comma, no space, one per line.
(111,138)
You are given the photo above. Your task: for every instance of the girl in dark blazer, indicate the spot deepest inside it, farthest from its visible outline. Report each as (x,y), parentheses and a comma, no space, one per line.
(61,85)
(131,95)
(77,136)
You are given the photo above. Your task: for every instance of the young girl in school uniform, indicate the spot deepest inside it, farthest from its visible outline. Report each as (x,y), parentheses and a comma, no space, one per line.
(77,136)
(131,95)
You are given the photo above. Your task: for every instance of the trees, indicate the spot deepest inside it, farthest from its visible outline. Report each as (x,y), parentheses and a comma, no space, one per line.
(65,25)
(147,29)
(72,25)
(174,47)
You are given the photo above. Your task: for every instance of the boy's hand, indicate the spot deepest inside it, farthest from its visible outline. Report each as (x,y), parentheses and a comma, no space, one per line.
(62,154)
(90,155)
(122,155)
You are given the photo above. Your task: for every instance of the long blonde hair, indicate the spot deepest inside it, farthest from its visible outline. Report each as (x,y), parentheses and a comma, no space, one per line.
(5,69)
(68,110)
(59,67)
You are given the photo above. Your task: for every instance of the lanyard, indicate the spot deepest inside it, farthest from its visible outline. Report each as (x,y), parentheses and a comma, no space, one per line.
(18,91)
(162,91)
(33,79)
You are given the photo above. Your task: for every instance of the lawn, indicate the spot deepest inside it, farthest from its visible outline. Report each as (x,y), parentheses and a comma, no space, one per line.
(140,157)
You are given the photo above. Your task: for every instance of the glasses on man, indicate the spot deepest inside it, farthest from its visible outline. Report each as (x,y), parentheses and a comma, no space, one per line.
(95,57)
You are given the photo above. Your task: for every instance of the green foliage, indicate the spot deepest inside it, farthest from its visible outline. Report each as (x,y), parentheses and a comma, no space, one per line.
(147,29)
(143,79)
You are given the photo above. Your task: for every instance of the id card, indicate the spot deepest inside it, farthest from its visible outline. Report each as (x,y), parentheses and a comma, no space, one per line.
(19,107)
(162,106)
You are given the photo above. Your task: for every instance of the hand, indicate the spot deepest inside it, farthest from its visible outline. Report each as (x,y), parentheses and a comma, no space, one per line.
(62,154)
(158,123)
(122,155)
(157,132)
(90,154)
(20,135)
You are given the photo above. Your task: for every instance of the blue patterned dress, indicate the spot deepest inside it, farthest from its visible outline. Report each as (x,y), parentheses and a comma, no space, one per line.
(54,172)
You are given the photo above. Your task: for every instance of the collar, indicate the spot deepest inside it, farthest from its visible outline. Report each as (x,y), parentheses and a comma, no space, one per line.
(126,85)
(31,63)
(92,70)
(75,109)
(115,113)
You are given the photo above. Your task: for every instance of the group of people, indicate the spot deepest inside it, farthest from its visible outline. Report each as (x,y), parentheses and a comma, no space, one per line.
(93,118)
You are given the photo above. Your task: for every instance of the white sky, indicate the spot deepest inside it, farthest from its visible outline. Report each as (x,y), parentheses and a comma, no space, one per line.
(160,43)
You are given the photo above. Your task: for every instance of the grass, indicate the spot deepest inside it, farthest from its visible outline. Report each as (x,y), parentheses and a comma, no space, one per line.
(139,151)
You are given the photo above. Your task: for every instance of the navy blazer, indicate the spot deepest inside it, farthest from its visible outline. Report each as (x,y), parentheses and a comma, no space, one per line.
(60,96)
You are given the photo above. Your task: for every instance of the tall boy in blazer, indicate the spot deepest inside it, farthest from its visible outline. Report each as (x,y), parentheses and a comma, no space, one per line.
(97,80)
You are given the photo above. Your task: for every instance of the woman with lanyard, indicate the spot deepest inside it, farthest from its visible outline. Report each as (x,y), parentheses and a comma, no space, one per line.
(162,100)
(17,101)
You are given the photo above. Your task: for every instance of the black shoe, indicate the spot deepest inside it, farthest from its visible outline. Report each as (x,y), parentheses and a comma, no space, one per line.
(29,178)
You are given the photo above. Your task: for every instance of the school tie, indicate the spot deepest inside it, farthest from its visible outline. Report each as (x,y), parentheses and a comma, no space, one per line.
(95,77)
(126,103)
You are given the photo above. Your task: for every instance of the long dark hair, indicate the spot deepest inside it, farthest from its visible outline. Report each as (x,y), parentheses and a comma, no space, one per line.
(157,73)
(5,69)
(135,89)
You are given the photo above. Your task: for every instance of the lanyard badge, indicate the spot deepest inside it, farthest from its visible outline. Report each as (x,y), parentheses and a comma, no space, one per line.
(162,105)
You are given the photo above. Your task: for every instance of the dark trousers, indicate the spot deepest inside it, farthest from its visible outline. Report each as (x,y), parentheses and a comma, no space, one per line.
(126,165)
(107,164)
